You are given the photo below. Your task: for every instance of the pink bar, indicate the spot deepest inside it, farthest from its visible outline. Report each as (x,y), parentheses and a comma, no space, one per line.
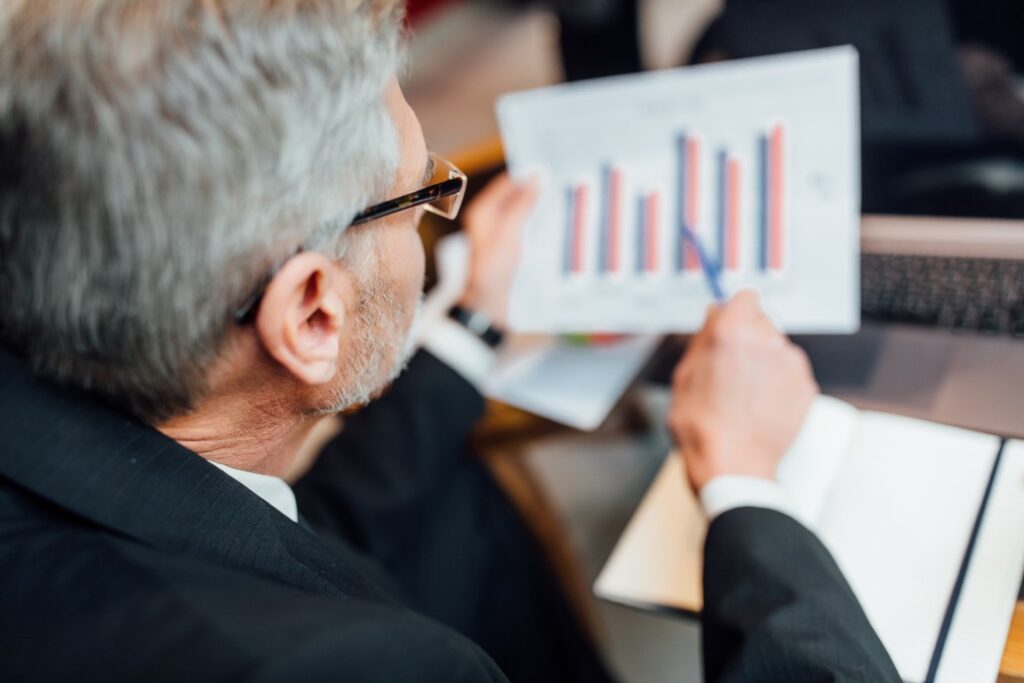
(692,196)
(579,220)
(615,222)
(732,217)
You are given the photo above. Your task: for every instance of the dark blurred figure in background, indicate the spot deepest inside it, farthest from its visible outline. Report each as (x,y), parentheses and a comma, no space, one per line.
(942,109)
(992,59)
(599,37)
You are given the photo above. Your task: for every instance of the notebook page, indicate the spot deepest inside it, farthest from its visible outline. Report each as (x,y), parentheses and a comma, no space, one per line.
(810,466)
(658,561)
(898,520)
(659,558)
(977,636)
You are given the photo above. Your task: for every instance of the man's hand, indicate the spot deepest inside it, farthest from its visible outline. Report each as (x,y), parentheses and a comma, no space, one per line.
(493,224)
(739,396)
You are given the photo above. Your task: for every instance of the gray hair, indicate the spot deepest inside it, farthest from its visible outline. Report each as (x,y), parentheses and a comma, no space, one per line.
(158,157)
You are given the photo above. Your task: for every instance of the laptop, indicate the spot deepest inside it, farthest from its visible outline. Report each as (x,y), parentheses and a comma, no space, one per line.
(943,331)
(942,298)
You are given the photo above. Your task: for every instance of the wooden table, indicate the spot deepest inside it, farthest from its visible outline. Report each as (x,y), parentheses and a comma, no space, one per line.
(1012,668)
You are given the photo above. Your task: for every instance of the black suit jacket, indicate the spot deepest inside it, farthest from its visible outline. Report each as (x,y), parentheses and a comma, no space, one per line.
(125,556)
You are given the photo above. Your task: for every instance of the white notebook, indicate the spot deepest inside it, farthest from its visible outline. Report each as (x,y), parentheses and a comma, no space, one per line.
(897,502)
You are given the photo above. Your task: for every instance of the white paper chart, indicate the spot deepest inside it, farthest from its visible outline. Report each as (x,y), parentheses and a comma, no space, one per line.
(759,157)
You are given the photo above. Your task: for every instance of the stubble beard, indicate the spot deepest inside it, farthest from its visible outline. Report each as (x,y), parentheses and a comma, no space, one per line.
(383,340)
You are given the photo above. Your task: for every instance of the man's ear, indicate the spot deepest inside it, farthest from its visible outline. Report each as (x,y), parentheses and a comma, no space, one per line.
(302,315)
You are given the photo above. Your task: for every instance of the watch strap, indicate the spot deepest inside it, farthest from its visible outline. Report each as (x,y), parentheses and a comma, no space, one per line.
(477,323)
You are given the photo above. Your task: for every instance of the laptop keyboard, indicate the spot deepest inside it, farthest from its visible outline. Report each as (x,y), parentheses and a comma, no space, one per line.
(975,294)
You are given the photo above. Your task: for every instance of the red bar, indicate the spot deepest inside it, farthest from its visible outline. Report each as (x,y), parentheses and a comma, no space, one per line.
(776,192)
(579,220)
(615,220)
(651,257)
(692,196)
(732,216)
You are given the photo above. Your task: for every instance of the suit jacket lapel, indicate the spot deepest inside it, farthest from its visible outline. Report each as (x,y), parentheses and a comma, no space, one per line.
(128,477)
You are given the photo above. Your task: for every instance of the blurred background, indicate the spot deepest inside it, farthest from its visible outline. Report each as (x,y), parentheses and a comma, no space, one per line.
(943,109)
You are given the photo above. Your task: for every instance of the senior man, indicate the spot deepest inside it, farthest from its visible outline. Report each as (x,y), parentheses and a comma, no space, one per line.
(208,242)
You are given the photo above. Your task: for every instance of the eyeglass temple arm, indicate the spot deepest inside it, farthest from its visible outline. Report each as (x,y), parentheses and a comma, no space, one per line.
(431,193)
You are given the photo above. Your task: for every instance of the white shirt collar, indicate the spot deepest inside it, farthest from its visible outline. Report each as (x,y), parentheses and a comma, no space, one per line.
(274,490)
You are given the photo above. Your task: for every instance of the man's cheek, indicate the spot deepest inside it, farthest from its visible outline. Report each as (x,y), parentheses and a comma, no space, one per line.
(413,331)
(416,260)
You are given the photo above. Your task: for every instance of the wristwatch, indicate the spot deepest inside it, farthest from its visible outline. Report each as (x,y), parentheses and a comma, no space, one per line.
(477,323)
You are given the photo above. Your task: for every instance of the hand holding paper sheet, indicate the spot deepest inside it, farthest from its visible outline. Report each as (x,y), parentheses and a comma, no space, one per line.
(758,157)
(572,384)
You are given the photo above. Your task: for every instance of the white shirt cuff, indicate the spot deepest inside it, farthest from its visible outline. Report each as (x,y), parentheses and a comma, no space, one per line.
(728,492)
(460,349)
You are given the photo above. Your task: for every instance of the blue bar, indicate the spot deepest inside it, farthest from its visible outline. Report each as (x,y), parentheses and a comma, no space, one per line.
(762,190)
(722,210)
(681,244)
(570,224)
(603,255)
(641,233)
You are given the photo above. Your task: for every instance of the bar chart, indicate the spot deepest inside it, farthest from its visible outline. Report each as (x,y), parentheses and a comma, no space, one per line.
(757,158)
(721,224)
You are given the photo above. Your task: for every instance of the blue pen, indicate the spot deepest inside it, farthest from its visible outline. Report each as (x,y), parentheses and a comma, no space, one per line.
(710,268)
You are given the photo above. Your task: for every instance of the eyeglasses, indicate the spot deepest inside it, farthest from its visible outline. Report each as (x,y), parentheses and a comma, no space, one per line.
(443,196)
